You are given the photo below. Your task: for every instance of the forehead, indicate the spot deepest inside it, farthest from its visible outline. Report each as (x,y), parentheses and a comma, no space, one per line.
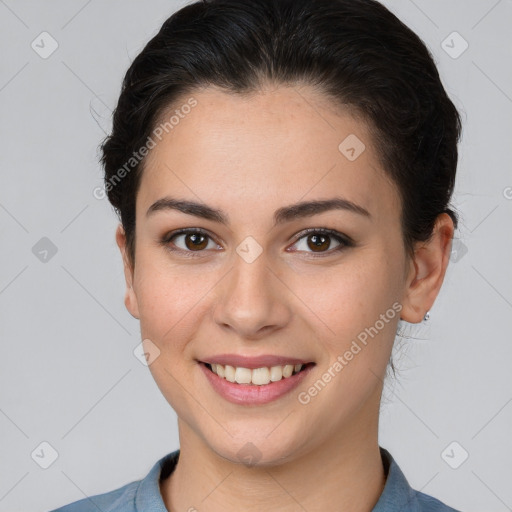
(250,152)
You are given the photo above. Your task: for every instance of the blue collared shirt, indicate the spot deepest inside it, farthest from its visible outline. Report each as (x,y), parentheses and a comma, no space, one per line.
(144,495)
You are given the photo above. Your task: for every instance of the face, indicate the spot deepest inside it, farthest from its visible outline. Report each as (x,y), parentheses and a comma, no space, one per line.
(259,283)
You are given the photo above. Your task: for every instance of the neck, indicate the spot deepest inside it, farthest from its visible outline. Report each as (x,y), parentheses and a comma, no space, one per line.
(348,467)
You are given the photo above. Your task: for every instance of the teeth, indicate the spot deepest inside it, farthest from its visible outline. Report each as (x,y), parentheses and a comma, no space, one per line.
(243,375)
(276,373)
(258,376)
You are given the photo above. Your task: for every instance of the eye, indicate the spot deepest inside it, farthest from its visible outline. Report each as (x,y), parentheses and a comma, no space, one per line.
(190,240)
(319,241)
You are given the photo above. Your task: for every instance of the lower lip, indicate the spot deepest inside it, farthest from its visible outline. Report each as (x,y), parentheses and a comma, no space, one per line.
(250,394)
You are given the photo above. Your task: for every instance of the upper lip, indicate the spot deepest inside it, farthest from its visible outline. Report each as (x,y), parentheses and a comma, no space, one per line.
(265,360)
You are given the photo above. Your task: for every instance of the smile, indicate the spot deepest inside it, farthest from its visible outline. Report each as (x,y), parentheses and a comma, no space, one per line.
(257,376)
(256,386)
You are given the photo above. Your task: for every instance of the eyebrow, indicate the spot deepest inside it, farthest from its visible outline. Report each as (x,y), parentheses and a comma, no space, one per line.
(282,215)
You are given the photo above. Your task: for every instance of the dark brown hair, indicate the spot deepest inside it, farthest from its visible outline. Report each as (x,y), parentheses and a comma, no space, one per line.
(356,52)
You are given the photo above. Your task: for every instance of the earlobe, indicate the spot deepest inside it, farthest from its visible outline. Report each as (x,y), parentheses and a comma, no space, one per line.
(130,298)
(427,271)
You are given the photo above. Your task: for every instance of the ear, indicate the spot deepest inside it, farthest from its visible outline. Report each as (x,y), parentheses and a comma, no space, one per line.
(130,299)
(427,272)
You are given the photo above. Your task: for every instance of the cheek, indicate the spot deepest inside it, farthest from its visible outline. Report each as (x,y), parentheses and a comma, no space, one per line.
(360,305)
(350,297)
(356,302)
(169,305)
(171,298)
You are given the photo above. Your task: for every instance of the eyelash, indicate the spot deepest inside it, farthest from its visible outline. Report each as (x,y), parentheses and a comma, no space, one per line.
(344,241)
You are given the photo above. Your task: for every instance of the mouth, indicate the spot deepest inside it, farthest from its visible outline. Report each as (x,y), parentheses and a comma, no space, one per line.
(258,385)
(262,376)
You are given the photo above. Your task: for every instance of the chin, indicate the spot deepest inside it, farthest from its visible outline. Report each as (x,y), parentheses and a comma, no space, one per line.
(258,450)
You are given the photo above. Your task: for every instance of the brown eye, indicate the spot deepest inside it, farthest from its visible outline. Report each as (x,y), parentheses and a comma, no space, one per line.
(318,243)
(188,241)
(195,241)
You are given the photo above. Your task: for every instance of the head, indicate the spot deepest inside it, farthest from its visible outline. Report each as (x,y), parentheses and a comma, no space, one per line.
(235,112)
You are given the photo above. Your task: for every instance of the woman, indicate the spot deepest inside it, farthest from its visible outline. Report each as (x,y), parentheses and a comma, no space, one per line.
(282,170)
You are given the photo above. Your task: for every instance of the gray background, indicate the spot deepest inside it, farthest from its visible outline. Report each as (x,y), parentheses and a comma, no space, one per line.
(68,375)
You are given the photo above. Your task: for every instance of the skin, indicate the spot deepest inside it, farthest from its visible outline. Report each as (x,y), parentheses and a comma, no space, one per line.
(249,156)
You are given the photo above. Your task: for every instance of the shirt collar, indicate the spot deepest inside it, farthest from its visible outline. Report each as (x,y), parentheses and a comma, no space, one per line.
(396,494)
(148,495)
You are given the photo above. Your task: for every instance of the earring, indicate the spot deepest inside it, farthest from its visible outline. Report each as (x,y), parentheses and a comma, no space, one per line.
(427,316)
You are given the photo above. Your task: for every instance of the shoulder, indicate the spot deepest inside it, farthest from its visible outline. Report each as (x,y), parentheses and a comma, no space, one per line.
(429,504)
(399,495)
(138,495)
(121,499)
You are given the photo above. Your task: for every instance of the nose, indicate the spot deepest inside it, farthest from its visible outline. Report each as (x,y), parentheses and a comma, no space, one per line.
(252,300)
